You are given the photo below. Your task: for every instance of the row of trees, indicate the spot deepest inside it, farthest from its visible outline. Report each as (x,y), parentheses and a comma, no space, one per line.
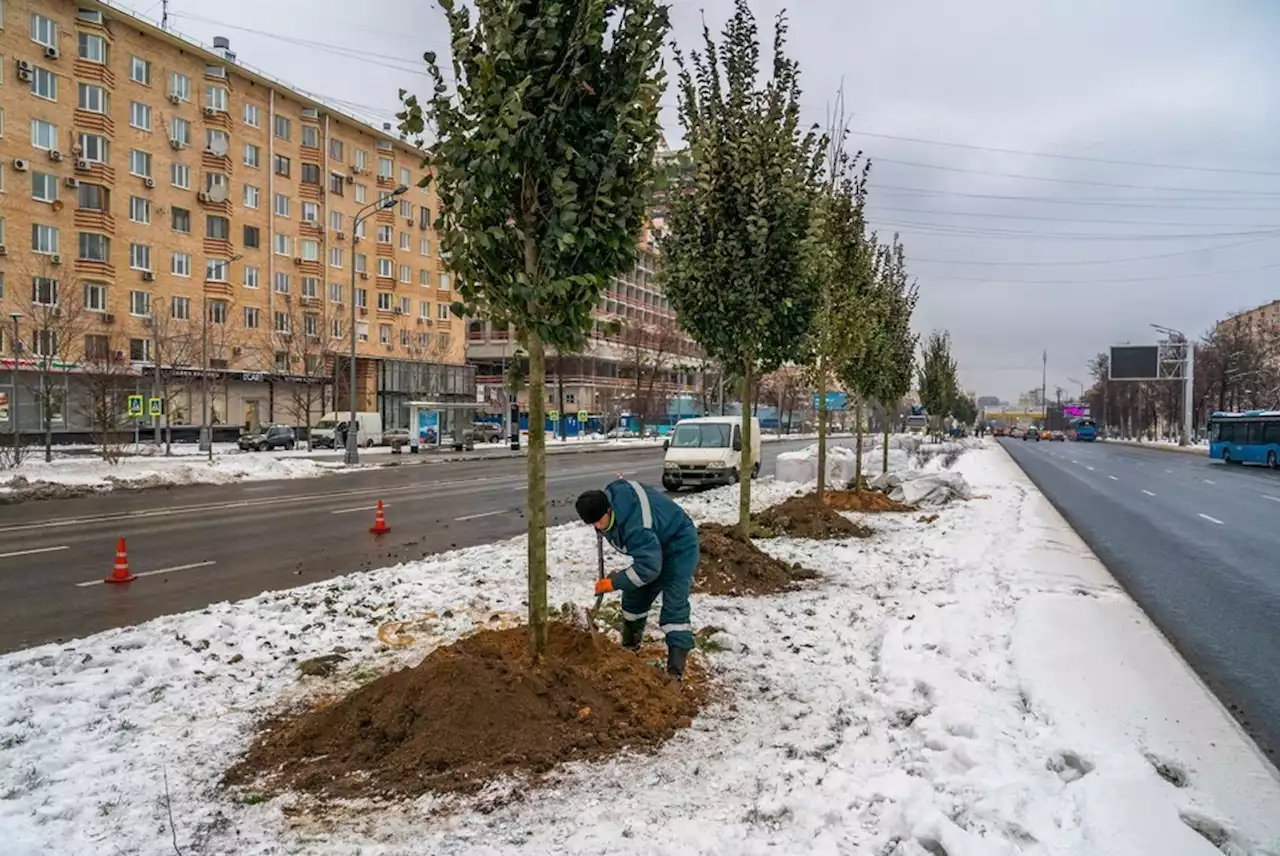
(1237,368)
(543,158)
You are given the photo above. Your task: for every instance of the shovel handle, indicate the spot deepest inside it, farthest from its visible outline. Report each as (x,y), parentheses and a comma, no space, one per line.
(600,569)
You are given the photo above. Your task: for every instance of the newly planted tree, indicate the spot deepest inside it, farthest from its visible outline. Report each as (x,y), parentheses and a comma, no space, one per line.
(938,385)
(542,153)
(736,256)
(893,345)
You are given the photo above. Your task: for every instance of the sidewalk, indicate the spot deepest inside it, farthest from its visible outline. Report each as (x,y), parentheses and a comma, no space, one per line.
(974,684)
(1163,446)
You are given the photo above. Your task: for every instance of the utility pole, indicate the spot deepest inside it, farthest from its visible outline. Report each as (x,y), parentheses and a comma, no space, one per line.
(1044,384)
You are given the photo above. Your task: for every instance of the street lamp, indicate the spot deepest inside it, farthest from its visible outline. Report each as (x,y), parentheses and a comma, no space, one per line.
(1188,380)
(17,355)
(353,450)
(1079,384)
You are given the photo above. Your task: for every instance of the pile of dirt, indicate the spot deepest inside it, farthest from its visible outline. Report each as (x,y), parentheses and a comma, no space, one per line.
(806,517)
(471,712)
(730,565)
(863,500)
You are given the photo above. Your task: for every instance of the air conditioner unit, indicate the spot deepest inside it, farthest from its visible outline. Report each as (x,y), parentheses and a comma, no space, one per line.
(55,259)
(176,144)
(209,112)
(420,320)
(148,182)
(23,65)
(19,164)
(148,276)
(117,355)
(297,260)
(72,182)
(108,318)
(364,310)
(52,52)
(175,98)
(4,251)
(148,321)
(202,196)
(237,351)
(82,165)
(351,179)
(339,236)
(24,74)
(55,155)
(364,274)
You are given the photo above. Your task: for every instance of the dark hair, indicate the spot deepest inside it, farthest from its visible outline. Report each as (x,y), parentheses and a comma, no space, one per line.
(592,505)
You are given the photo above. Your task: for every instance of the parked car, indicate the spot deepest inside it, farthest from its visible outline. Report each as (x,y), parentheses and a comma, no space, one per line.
(396,438)
(270,437)
(486,432)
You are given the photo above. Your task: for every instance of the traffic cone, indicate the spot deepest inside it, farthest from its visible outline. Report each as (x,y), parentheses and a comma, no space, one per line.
(379,521)
(120,573)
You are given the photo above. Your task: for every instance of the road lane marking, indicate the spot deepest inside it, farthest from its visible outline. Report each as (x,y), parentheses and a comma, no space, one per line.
(33,551)
(172,570)
(1170,472)
(361,508)
(1113,478)
(1148,493)
(1213,520)
(478,516)
(1208,481)
(1089,468)
(1270,497)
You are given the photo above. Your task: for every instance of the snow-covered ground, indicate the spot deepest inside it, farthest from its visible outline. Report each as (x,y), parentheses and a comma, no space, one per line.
(972,685)
(89,471)
(1198,448)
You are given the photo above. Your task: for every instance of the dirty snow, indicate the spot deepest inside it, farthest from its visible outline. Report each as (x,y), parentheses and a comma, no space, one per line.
(975,684)
(88,471)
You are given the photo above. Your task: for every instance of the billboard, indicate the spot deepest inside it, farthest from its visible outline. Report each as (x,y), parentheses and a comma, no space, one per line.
(1135,362)
(835,401)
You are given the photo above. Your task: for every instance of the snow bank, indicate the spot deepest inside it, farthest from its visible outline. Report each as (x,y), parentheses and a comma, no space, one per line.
(86,471)
(934,693)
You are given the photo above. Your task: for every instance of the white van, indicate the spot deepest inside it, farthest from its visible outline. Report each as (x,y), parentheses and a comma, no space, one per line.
(708,451)
(368,429)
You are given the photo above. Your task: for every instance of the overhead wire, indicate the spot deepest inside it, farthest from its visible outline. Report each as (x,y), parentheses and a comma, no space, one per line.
(1081,262)
(1110,281)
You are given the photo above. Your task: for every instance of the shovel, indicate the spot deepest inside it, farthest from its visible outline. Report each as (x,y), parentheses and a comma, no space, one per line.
(591,612)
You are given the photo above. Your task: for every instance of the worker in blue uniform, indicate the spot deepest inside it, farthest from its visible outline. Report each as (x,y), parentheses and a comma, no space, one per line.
(642,523)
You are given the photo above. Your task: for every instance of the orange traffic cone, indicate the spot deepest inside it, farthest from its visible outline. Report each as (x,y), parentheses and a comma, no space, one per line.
(120,573)
(379,522)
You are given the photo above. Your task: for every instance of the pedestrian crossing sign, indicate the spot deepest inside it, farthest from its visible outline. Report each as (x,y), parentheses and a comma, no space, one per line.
(583,415)
(155,406)
(554,415)
(135,405)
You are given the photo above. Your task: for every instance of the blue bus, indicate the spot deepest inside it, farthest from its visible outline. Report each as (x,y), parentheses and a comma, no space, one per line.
(1246,438)
(1084,429)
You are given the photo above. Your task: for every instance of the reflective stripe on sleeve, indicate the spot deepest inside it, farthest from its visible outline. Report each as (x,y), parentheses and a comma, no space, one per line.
(634,577)
(675,628)
(634,616)
(646,512)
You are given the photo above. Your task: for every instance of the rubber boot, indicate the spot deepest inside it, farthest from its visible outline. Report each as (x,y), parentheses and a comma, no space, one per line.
(676,658)
(632,634)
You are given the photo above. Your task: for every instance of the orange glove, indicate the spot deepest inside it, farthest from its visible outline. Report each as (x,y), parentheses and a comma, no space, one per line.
(604,585)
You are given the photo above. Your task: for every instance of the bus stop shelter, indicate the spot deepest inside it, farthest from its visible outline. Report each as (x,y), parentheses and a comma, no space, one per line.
(430,422)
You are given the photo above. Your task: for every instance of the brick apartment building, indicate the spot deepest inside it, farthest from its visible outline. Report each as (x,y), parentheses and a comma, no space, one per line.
(167,211)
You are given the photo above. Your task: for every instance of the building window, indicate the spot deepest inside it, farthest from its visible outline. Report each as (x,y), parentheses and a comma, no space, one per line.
(44,291)
(91,98)
(406,209)
(44,239)
(253,115)
(335,257)
(360,229)
(384,334)
(250,276)
(252,238)
(252,155)
(335,328)
(216,141)
(179,86)
(335,292)
(358,259)
(45,343)
(180,131)
(384,234)
(282,205)
(93,148)
(140,70)
(442,343)
(44,84)
(215,179)
(140,303)
(140,350)
(310,173)
(362,298)
(385,167)
(217,227)
(94,247)
(335,149)
(282,245)
(384,267)
(406,305)
(217,98)
(180,220)
(282,322)
(251,318)
(310,287)
(442,312)
(310,212)
(97,348)
(336,183)
(180,264)
(44,135)
(280,164)
(91,197)
(362,159)
(424,247)
(140,163)
(44,31)
(424,309)
(140,116)
(424,222)
(406,273)
(424,278)
(311,136)
(251,195)
(445,284)
(180,308)
(140,256)
(44,187)
(281,285)
(385,299)
(335,220)
(404,240)
(92,48)
(215,270)
(405,180)
(180,176)
(361,193)
(310,250)
(311,324)
(139,209)
(219,311)
(283,128)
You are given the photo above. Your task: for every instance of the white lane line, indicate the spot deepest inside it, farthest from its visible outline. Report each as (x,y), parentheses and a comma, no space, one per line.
(1270,497)
(1075,462)
(1089,468)
(478,516)
(1208,481)
(1170,472)
(361,508)
(1113,478)
(1213,520)
(34,551)
(1148,493)
(172,570)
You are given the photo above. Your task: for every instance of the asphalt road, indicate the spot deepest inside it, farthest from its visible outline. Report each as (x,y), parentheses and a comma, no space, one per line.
(201,544)
(1197,545)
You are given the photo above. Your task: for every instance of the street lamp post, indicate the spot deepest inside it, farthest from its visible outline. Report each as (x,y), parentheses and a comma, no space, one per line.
(17,355)
(1079,384)
(352,456)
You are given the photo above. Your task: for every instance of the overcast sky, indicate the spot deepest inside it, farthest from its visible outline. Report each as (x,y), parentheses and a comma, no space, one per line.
(1016,252)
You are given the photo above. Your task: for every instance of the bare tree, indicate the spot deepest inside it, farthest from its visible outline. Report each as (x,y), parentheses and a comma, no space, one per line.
(175,343)
(783,389)
(304,351)
(108,378)
(649,350)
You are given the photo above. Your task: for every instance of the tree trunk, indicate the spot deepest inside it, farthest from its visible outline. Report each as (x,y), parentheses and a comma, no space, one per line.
(537,476)
(744,472)
(822,435)
(46,416)
(857,452)
(884,463)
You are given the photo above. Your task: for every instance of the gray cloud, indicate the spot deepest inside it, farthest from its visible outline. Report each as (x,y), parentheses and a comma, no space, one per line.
(1172,82)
